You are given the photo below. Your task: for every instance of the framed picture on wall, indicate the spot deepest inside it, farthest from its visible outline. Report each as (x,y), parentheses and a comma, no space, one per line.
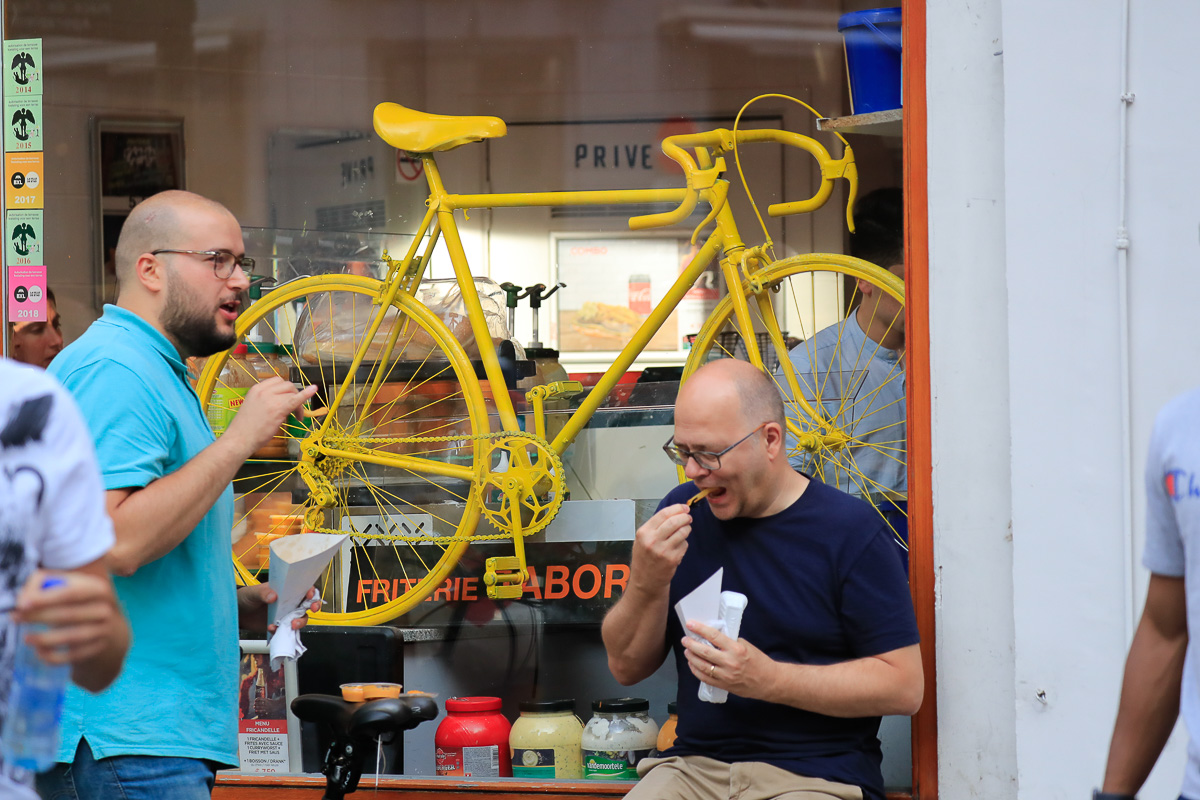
(613,281)
(132,159)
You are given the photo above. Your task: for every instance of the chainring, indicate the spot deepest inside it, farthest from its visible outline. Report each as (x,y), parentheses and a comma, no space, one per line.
(523,467)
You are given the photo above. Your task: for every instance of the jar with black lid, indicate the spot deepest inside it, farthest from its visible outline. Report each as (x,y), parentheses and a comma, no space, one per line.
(545,740)
(618,736)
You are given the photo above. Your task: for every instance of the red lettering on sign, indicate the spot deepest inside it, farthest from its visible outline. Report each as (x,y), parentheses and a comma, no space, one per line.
(611,580)
(532,585)
(363,587)
(381,589)
(445,591)
(587,569)
(470,587)
(557,585)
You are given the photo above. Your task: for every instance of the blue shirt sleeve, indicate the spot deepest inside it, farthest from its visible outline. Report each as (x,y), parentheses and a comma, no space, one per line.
(876,605)
(133,437)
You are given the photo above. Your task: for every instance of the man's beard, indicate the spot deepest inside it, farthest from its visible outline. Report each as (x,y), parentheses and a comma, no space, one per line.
(194,330)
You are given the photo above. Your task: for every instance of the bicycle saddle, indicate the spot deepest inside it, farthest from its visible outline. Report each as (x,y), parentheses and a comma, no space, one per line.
(364,720)
(354,727)
(418,132)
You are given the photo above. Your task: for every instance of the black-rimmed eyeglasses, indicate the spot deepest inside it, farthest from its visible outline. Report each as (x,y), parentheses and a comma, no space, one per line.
(706,460)
(223,261)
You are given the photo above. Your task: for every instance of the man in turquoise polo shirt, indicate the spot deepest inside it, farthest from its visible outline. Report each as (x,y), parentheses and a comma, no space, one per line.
(169,721)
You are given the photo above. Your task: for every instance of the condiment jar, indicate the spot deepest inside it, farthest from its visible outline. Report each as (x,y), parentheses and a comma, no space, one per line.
(264,362)
(472,741)
(544,742)
(666,734)
(235,380)
(618,736)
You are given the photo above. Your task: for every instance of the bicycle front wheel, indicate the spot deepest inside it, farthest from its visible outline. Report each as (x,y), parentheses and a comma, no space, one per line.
(830,329)
(393,467)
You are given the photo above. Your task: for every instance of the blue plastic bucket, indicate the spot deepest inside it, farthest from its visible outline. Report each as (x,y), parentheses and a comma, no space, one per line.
(872,40)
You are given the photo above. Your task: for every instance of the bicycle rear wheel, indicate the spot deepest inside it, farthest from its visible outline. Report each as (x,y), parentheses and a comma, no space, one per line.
(408,525)
(841,320)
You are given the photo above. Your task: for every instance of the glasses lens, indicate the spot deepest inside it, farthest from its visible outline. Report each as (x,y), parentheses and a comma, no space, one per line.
(707,461)
(223,264)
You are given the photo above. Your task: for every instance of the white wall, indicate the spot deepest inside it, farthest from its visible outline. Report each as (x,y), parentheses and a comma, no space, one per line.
(968,350)
(1026,312)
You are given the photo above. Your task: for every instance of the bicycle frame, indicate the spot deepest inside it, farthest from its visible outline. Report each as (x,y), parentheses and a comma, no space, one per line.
(703,184)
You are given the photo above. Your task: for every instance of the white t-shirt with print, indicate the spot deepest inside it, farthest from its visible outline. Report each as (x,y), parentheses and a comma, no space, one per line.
(52,510)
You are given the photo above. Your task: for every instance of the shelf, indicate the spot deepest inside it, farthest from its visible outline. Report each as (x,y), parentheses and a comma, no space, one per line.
(877,123)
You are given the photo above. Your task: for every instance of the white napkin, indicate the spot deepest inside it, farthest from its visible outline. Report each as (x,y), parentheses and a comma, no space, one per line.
(285,642)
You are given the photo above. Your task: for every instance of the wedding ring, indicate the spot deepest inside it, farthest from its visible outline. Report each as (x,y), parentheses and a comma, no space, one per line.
(712,670)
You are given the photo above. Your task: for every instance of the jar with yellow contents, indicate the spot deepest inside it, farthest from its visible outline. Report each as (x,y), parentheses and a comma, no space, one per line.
(545,741)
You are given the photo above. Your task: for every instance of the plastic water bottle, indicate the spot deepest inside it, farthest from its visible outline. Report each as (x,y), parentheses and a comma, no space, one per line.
(35,703)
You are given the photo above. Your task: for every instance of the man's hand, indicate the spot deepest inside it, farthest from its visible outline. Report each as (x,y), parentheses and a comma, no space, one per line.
(658,547)
(872,686)
(733,665)
(252,607)
(83,616)
(634,630)
(264,410)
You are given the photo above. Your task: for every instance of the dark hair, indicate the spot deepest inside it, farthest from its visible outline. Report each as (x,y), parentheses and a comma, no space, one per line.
(879,227)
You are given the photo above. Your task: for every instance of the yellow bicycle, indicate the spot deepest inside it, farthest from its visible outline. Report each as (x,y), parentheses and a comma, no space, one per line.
(419,438)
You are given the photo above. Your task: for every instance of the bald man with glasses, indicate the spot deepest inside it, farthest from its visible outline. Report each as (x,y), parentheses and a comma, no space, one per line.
(828,641)
(170,720)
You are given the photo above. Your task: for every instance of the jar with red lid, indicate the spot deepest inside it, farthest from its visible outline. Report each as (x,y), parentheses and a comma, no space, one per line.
(472,741)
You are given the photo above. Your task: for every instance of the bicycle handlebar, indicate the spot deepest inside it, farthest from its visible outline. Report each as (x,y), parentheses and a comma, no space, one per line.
(722,141)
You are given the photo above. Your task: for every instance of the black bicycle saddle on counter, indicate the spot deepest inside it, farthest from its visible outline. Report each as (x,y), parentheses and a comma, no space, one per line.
(355,727)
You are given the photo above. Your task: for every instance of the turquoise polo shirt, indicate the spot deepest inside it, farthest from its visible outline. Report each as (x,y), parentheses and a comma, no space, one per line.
(177,695)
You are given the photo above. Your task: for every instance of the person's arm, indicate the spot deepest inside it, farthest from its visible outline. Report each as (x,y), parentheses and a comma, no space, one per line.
(887,683)
(635,628)
(86,626)
(252,602)
(1150,692)
(152,520)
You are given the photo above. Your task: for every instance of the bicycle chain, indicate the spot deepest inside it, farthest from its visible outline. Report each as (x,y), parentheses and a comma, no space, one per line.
(557,467)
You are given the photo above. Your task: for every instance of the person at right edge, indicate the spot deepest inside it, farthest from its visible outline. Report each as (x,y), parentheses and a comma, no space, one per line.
(828,640)
(170,720)
(1162,671)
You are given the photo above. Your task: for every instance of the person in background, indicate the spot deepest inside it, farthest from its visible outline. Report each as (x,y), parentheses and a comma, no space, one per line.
(856,367)
(1162,671)
(170,720)
(52,524)
(37,343)
(828,640)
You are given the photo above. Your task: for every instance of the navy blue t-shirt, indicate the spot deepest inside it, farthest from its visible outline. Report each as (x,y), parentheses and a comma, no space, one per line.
(825,584)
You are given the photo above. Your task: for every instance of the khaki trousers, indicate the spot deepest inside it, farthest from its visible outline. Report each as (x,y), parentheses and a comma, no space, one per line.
(699,778)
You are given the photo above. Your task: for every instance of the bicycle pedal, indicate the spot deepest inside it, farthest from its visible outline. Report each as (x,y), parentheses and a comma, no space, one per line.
(504,577)
(563,389)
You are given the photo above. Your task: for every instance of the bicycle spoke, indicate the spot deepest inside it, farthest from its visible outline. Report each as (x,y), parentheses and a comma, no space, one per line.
(433,394)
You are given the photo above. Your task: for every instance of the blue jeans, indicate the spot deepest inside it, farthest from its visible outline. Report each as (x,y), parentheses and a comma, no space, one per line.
(132,777)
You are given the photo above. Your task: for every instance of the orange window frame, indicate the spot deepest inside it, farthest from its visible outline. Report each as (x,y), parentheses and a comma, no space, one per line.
(920,458)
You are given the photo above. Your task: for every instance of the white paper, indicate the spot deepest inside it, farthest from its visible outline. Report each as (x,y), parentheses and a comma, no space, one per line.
(702,603)
(296,563)
(717,609)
